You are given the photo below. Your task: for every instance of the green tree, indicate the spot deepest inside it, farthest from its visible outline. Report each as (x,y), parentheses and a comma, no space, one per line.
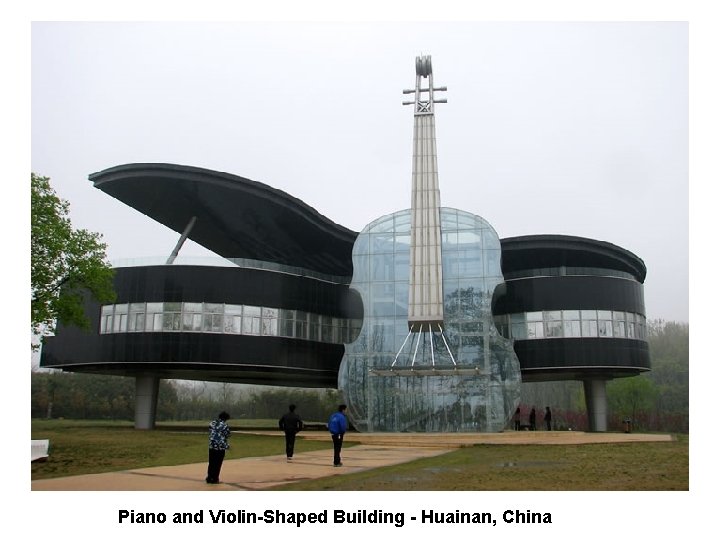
(631,396)
(92,396)
(669,344)
(66,264)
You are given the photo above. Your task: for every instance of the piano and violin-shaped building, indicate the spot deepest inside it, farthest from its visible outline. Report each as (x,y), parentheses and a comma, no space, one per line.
(426,320)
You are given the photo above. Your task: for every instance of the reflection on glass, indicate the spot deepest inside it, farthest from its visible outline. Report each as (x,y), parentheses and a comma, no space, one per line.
(589,328)
(226,318)
(570,323)
(154,307)
(605,328)
(155,322)
(619,329)
(480,399)
(213,308)
(571,328)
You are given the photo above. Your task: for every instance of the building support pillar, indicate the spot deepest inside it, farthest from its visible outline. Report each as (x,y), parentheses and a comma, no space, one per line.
(181,240)
(596,403)
(146,394)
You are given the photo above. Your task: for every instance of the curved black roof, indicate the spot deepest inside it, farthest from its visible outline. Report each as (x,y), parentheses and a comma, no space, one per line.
(242,218)
(236,217)
(552,250)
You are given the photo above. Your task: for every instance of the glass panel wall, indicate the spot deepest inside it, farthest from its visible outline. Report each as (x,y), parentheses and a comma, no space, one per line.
(465,378)
(571,323)
(227,319)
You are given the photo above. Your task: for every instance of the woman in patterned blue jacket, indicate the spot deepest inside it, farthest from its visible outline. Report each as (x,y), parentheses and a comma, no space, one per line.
(219,435)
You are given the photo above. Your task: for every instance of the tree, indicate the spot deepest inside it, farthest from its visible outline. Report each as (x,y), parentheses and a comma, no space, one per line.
(631,395)
(669,344)
(92,396)
(66,264)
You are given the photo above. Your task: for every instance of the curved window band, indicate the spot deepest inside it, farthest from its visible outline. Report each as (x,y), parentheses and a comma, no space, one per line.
(572,323)
(202,317)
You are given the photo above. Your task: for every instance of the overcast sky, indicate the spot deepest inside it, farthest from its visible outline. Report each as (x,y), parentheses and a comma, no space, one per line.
(550,128)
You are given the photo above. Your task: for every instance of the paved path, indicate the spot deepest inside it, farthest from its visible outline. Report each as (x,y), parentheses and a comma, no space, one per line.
(374,450)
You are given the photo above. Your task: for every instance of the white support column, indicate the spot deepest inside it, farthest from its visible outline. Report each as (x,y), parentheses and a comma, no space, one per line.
(596,403)
(146,393)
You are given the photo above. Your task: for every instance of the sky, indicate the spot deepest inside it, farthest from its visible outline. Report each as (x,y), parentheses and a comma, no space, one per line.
(550,128)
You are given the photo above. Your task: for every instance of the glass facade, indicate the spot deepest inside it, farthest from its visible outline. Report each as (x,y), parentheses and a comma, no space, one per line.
(464,379)
(572,323)
(207,317)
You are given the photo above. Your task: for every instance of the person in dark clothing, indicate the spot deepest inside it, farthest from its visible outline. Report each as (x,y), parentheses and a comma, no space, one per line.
(291,424)
(219,435)
(517,419)
(548,419)
(337,425)
(532,420)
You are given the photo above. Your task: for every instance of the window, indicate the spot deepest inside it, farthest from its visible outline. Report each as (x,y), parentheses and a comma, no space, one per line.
(136,322)
(269,322)
(106,319)
(570,323)
(535,330)
(571,329)
(136,317)
(553,324)
(518,330)
(619,329)
(233,324)
(120,318)
(225,318)
(212,322)
(287,328)
(605,328)
(192,322)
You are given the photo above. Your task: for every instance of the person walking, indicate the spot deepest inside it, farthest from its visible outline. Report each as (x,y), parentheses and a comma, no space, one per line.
(219,435)
(337,425)
(517,419)
(291,424)
(532,420)
(548,419)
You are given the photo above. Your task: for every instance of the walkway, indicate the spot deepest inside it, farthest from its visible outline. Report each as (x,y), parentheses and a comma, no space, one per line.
(374,450)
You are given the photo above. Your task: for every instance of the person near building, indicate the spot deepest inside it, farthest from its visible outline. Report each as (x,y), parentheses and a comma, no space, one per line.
(548,419)
(533,420)
(291,424)
(337,425)
(218,443)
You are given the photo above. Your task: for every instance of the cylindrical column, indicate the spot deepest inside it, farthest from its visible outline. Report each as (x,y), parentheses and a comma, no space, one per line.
(146,393)
(596,403)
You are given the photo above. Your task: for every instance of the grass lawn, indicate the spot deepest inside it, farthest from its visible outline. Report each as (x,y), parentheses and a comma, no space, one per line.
(596,467)
(82,447)
(79,447)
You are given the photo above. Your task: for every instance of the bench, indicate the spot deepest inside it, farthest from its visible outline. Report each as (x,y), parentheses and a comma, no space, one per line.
(314,426)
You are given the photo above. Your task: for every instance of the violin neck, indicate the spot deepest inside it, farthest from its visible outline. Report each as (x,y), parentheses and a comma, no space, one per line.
(425,302)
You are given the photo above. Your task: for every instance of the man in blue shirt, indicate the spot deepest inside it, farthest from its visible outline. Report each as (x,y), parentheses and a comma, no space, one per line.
(337,425)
